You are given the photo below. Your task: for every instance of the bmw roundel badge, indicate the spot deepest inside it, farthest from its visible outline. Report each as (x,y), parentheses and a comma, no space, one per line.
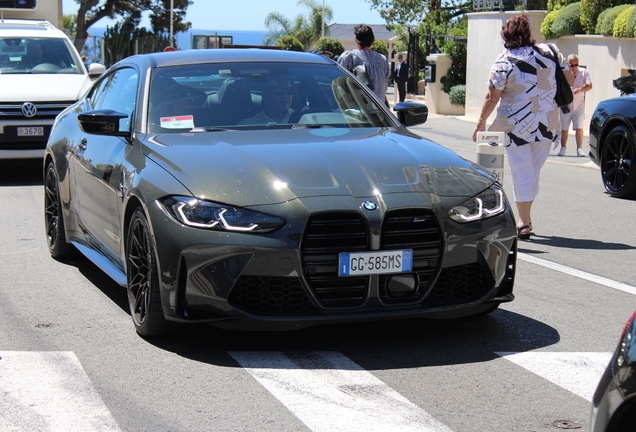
(369,205)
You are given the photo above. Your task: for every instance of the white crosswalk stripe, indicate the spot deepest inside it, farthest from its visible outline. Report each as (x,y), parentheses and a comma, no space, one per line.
(575,372)
(328,392)
(49,391)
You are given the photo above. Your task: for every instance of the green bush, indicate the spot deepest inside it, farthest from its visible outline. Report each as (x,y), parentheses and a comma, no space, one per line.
(546,25)
(456,75)
(631,23)
(568,21)
(457,95)
(289,43)
(601,17)
(620,29)
(605,25)
(381,47)
(590,11)
(334,46)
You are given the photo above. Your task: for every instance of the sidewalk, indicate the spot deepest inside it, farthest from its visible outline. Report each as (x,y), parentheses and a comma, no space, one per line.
(441,122)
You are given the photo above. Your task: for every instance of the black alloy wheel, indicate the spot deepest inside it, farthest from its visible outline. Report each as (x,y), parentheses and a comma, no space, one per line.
(143,279)
(617,171)
(59,248)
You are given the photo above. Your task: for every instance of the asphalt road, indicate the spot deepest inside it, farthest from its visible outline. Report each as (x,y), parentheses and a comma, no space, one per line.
(71,361)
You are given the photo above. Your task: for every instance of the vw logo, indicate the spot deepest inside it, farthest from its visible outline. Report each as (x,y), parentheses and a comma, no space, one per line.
(369,205)
(29,109)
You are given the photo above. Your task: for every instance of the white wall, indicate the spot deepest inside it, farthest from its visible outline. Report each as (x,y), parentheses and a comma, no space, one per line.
(606,58)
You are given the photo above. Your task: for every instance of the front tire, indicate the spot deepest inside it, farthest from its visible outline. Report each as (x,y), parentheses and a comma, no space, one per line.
(144,298)
(59,248)
(617,171)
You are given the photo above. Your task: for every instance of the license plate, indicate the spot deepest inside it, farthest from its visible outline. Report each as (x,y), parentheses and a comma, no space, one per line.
(31,131)
(377,262)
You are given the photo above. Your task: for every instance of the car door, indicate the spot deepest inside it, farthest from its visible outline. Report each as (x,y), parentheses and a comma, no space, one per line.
(98,164)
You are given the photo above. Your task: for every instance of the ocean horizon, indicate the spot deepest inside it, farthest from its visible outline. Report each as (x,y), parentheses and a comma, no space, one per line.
(183,40)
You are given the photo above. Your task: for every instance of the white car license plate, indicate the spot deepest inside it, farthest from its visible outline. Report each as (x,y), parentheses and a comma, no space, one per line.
(31,131)
(379,262)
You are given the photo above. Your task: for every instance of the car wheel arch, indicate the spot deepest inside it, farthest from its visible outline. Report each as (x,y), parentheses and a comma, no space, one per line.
(611,124)
(132,204)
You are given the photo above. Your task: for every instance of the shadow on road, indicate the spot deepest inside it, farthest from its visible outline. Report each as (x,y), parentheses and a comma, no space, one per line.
(380,345)
(574,243)
(21,172)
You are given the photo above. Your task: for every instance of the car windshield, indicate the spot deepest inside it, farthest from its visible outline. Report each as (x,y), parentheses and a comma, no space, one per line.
(37,55)
(259,96)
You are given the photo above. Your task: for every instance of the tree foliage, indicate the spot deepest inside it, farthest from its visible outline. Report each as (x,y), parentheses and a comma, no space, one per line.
(289,43)
(120,41)
(591,11)
(432,12)
(334,46)
(305,28)
(130,11)
(381,47)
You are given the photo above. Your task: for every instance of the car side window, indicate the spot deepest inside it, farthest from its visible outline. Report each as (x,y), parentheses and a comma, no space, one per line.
(117,92)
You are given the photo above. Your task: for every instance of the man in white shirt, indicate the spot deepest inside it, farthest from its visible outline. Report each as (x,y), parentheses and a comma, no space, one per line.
(576,115)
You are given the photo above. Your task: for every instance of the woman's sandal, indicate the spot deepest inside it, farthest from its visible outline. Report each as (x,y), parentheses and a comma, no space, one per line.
(524,232)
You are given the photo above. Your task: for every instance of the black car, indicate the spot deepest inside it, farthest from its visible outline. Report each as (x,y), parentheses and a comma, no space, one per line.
(613,139)
(270,189)
(614,403)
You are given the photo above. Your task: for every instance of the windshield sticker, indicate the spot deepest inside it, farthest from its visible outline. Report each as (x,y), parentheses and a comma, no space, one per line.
(178,122)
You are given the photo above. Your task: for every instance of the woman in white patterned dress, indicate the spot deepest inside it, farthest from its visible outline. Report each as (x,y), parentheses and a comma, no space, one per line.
(522,80)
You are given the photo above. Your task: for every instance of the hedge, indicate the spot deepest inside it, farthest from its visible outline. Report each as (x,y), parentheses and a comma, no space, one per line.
(457,95)
(546,25)
(631,23)
(620,29)
(605,24)
(568,21)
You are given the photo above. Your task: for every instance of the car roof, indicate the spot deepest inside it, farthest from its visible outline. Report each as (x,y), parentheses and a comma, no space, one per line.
(226,55)
(15,27)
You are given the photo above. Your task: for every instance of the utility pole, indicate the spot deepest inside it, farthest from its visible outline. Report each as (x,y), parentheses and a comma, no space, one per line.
(171,23)
(323,18)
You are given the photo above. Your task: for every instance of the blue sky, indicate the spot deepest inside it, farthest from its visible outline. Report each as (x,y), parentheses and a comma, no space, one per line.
(250,14)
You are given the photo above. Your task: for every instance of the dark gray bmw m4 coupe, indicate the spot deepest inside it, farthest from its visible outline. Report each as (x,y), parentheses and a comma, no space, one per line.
(271,190)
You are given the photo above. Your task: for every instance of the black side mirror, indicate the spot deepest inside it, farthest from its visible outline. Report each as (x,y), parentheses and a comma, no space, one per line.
(102,122)
(411,113)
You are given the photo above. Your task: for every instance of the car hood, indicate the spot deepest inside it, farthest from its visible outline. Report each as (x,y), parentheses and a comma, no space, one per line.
(43,87)
(273,166)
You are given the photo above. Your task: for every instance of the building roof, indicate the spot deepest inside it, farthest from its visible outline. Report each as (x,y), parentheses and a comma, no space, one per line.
(345,31)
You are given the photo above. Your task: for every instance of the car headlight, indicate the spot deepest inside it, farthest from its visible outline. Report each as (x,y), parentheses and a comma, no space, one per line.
(209,215)
(488,203)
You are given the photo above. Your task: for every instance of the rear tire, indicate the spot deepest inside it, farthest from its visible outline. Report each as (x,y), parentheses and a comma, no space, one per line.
(59,248)
(618,171)
(144,298)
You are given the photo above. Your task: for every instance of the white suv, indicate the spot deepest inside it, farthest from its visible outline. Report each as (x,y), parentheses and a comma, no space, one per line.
(41,73)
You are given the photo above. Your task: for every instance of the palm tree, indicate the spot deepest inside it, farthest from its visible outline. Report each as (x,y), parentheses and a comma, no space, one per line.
(307,29)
